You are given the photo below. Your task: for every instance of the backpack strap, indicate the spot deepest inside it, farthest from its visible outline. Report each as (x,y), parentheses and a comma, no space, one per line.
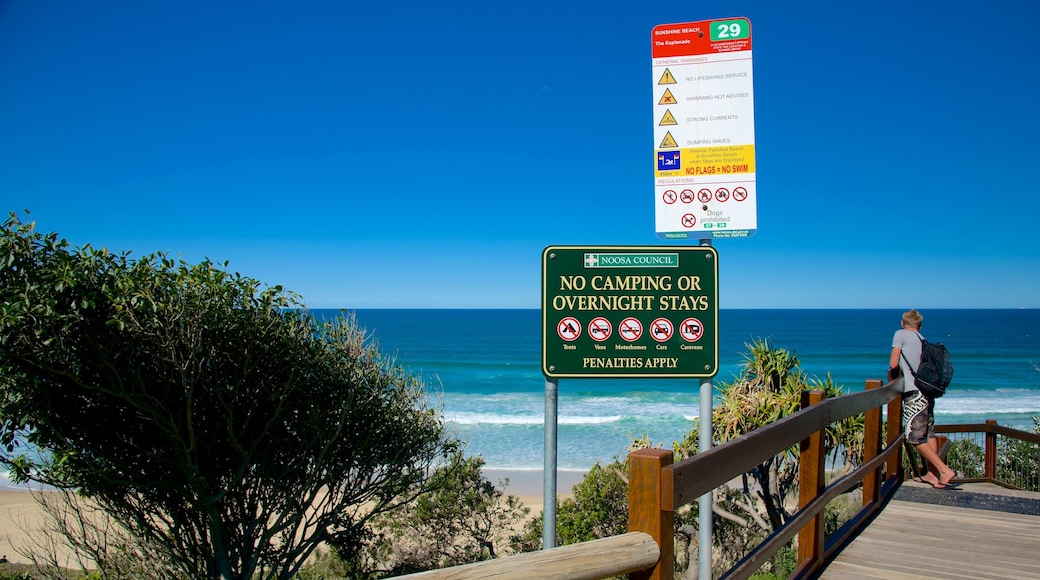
(909,365)
(913,371)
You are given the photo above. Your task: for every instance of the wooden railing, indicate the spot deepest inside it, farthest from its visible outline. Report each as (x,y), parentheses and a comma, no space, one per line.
(657,488)
(990,471)
(592,560)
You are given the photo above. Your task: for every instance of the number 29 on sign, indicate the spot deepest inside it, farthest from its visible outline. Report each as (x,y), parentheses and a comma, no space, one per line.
(730,29)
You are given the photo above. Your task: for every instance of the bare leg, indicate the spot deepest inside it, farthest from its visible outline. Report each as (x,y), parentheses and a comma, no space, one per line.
(929,450)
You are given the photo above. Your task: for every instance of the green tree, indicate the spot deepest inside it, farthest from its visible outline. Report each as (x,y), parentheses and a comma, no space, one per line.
(464,519)
(599,509)
(211,416)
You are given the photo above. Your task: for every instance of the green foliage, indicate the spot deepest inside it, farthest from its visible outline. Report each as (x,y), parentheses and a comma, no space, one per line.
(464,518)
(15,572)
(208,414)
(964,456)
(598,507)
(1018,461)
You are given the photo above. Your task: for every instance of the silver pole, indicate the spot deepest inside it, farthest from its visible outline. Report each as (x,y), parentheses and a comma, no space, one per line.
(704,502)
(549,468)
(704,506)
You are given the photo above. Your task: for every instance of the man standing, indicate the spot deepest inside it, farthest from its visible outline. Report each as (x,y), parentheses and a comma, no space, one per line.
(918,410)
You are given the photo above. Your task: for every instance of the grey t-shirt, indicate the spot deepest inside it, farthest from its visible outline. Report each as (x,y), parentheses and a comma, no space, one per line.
(909,341)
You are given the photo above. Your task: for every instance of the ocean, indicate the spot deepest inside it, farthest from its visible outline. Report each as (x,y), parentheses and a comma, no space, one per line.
(484,368)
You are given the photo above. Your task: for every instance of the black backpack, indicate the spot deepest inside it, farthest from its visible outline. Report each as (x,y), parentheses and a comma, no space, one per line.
(934,372)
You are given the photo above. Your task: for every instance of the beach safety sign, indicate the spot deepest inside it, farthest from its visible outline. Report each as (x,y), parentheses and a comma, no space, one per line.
(629,311)
(704,129)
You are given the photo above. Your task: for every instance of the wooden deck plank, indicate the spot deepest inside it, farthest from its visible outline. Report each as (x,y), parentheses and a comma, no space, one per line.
(915,540)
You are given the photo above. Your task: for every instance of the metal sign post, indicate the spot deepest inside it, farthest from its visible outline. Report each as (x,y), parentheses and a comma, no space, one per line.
(552,389)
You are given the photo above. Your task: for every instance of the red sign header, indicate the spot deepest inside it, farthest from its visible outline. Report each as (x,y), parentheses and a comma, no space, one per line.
(705,37)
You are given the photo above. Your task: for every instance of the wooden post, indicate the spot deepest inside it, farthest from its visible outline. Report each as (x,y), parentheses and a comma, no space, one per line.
(990,466)
(893,427)
(871,448)
(644,509)
(810,484)
(942,443)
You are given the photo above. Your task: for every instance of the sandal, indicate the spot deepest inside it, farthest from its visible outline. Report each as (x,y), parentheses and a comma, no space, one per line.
(948,484)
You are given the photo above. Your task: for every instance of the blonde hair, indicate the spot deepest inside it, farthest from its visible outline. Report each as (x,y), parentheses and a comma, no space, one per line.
(912,319)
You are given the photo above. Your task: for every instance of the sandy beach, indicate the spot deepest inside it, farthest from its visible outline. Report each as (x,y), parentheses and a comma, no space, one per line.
(19,513)
(529,484)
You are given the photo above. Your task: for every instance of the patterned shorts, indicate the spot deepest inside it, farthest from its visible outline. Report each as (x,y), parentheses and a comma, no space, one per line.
(918,417)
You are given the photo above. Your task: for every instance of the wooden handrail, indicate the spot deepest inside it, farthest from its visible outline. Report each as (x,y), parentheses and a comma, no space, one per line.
(591,560)
(750,564)
(687,480)
(683,482)
(990,429)
(657,488)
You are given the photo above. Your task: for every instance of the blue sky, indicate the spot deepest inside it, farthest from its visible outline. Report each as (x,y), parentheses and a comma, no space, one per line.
(401,154)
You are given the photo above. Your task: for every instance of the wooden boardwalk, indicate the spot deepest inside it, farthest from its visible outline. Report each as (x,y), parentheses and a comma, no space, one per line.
(933,536)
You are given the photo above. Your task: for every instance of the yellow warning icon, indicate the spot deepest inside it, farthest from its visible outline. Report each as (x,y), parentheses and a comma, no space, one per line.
(667,119)
(667,98)
(667,78)
(668,141)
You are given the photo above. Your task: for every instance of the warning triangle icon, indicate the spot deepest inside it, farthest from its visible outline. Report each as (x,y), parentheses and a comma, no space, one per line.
(667,98)
(668,119)
(667,78)
(668,141)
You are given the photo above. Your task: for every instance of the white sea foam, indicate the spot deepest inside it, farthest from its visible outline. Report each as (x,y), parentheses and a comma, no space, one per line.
(1022,402)
(464,418)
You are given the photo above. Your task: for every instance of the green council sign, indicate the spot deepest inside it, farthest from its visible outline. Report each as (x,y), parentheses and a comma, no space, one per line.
(628,311)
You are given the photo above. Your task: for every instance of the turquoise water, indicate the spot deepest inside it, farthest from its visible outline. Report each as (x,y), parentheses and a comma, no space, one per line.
(485,365)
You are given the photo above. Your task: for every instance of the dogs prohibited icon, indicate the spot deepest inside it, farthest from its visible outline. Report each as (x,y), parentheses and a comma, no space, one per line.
(661,329)
(691,329)
(569,328)
(689,220)
(630,329)
(599,329)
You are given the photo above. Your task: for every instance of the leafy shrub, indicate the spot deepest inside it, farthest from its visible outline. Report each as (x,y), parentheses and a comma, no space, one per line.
(209,414)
